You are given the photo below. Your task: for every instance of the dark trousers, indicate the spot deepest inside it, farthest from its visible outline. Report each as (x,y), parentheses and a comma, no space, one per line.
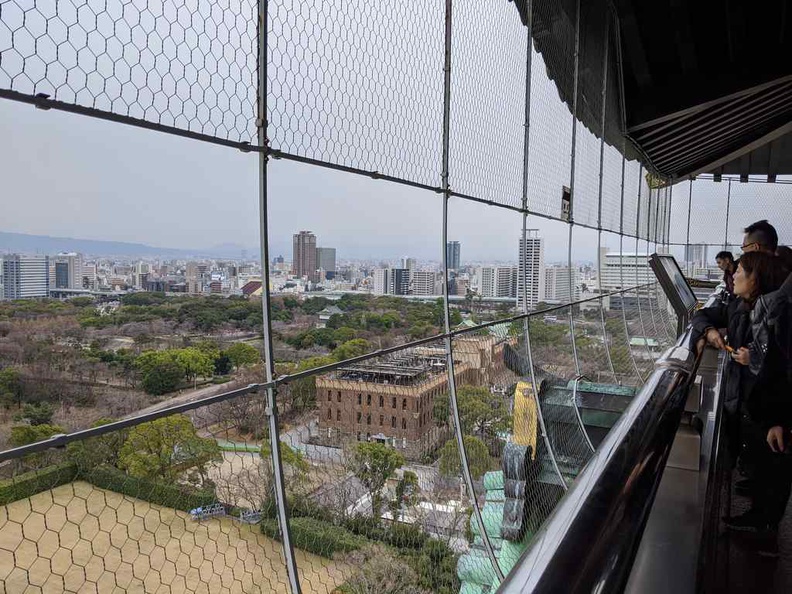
(771,472)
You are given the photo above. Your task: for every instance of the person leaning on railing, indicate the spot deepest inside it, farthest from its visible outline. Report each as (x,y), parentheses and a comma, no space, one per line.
(753,403)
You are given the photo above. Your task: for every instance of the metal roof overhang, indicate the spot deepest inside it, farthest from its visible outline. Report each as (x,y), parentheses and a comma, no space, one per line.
(707,85)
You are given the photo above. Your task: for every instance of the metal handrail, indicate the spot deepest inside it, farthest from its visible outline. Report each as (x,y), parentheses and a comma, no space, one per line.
(590,540)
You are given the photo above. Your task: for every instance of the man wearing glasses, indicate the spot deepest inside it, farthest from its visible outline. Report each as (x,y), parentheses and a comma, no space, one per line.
(761,236)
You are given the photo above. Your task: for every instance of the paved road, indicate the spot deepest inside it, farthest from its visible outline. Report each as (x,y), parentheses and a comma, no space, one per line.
(183,398)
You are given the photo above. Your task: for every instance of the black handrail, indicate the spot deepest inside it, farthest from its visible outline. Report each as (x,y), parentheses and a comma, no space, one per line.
(590,540)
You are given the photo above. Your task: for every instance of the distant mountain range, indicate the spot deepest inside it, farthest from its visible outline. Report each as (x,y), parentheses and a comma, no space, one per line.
(45,244)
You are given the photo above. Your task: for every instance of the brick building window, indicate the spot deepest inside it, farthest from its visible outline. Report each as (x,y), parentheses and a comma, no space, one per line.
(329,414)
(404,423)
(393,422)
(404,404)
(338,414)
(393,402)
(338,397)
(360,399)
(358,417)
(382,402)
(368,419)
(368,399)
(329,395)
(382,420)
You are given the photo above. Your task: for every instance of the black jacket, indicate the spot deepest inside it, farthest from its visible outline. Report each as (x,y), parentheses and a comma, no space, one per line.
(738,383)
(772,330)
(761,389)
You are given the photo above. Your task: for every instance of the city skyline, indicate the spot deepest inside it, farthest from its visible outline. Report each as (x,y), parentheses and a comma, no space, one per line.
(184,194)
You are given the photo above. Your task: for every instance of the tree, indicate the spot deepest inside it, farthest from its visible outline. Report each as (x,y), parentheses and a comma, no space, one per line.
(36,414)
(95,451)
(195,363)
(351,348)
(478,457)
(163,377)
(242,355)
(406,492)
(165,448)
(373,464)
(11,385)
(379,571)
(481,413)
(25,434)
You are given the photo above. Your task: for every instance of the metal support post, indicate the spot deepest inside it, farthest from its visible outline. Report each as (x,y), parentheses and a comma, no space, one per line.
(635,255)
(604,99)
(728,206)
(468,479)
(272,404)
(687,236)
(572,184)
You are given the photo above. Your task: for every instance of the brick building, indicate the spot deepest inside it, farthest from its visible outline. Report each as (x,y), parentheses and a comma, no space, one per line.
(389,401)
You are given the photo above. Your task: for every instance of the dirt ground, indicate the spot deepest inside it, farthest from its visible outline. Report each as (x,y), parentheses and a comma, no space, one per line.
(77,538)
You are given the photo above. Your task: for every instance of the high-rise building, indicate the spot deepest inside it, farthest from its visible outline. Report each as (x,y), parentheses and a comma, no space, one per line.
(408,263)
(326,260)
(531,272)
(25,276)
(453,251)
(89,276)
(304,255)
(399,281)
(425,282)
(381,281)
(497,281)
(621,270)
(557,284)
(66,271)
(696,254)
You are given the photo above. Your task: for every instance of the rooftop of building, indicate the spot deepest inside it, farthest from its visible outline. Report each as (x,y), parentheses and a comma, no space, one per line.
(401,369)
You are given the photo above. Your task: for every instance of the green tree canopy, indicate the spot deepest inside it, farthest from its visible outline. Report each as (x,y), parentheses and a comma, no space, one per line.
(373,464)
(351,348)
(11,385)
(478,457)
(96,451)
(242,354)
(25,434)
(36,413)
(165,448)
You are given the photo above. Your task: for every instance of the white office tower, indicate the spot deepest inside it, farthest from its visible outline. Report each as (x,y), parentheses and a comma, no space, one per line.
(557,284)
(66,271)
(89,280)
(627,269)
(531,266)
(425,282)
(497,281)
(381,281)
(408,263)
(25,277)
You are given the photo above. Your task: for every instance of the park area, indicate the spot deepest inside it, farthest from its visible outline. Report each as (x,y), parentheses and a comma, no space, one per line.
(78,538)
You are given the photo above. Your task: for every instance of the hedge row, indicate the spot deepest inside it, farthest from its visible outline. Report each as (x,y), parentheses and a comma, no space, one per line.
(395,534)
(36,481)
(315,536)
(166,495)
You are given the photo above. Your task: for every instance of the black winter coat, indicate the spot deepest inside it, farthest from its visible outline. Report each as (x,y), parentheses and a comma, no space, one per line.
(763,390)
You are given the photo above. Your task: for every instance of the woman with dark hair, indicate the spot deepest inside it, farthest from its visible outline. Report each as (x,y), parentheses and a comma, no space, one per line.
(754,403)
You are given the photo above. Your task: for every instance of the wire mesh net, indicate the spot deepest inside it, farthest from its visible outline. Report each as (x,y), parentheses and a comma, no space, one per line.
(380,490)
(179,64)
(488,104)
(171,504)
(358,85)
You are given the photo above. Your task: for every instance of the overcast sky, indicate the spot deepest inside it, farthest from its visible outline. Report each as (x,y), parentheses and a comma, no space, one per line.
(74,176)
(374,105)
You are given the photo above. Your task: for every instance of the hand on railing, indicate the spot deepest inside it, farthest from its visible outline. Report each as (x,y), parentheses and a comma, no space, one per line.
(775,439)
(712,338)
